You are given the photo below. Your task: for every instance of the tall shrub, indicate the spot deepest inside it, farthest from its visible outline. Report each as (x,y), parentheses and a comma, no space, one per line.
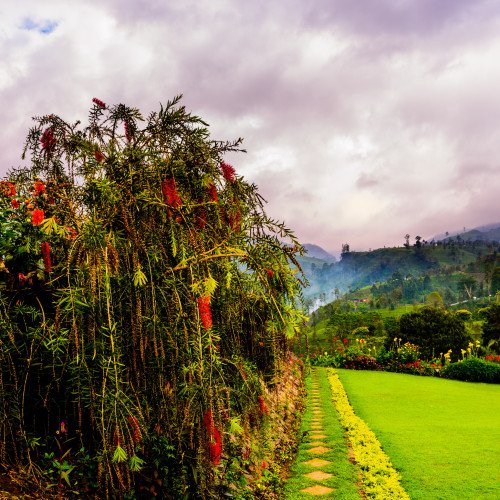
(144,297)
(435,331)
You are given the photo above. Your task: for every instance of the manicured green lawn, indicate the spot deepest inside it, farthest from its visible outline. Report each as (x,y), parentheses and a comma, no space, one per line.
(443,436)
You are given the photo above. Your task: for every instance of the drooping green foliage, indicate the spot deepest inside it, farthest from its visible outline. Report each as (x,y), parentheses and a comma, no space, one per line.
(145,299)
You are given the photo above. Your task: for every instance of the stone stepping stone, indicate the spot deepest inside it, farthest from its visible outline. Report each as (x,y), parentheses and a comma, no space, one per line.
(317,490)
(318,475)
(317,462)
(319,450)
(316,435)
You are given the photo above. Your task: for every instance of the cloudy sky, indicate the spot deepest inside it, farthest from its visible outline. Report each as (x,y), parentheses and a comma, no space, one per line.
(363,120)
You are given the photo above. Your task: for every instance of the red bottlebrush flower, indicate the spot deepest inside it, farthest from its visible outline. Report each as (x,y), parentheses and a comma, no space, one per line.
(170,195)
(48,140)
(14,203)
(127,131)
(37,217)
(215,446)
(263,410)
(228,172)
(201,218)
(135,428)
(205,312)
(7,188)
(208,420)
(47,263)
(346,341)
(212,193)
(98,156)
(270,273)
(98,102)
(215,437)
(38,188)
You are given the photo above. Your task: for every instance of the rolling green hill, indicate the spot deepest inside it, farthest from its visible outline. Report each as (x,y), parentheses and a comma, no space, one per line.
(404,274)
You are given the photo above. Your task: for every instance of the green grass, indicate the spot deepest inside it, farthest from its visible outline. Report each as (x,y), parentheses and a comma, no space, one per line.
(344,472)
(443,436)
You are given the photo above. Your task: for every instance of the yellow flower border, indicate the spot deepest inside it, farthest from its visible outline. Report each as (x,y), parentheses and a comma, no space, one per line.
(380,479)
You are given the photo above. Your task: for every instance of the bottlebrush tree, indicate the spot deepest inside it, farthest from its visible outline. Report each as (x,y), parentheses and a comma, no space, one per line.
(144,298)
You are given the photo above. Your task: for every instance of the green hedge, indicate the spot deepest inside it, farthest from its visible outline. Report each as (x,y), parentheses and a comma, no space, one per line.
(473,370)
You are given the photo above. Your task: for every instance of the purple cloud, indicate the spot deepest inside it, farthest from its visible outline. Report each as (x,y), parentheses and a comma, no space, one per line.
(362,120)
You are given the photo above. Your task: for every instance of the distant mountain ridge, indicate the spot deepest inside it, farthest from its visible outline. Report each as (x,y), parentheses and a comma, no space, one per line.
(478,234)
(488,232)
(317,252)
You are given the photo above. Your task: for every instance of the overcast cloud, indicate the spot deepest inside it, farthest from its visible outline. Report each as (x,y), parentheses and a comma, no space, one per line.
(362,120)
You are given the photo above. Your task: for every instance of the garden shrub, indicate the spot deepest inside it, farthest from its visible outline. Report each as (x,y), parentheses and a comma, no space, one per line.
(491,327)
(145,299)
(435,331)
(473,370)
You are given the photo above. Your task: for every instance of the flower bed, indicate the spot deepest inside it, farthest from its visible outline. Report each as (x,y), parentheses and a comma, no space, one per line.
(380,479)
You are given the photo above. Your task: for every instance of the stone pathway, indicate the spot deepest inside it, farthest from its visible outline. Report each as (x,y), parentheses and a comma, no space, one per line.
(318,446)
(322,468)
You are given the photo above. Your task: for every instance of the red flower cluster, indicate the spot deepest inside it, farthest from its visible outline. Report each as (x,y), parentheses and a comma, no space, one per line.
(346,341)
(170,195)
(47,263)
(215,438)
(98,102)
(270,273)
(491,357)
(98,156)
(48,140)
(135,428)
(37,217)
(14,203)
(212,193)
(228,172)
(205,312)
(263,409)
(7,188)
(38,188)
